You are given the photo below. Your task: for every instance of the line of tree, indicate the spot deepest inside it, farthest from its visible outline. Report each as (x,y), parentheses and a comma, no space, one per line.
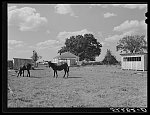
(85,46)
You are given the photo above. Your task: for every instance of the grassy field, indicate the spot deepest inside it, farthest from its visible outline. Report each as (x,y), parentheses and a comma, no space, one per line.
(88,86)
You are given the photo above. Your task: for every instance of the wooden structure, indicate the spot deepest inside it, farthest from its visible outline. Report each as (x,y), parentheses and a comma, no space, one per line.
(68,57)
(20,61)
(137,61)
(10,64)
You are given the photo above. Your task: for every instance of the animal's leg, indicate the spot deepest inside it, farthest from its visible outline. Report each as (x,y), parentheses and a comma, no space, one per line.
(29,72)
(56,74)
(18,74)
(65,73)
(23,73)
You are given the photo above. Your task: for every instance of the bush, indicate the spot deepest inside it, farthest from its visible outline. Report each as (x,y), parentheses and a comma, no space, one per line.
(91,63)
(97,63)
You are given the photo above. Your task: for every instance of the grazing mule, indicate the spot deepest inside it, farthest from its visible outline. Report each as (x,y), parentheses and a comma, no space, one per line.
(55,67)
(24,67)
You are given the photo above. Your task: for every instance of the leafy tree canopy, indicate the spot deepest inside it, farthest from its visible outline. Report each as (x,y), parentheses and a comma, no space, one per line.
(132,44)
(85,46)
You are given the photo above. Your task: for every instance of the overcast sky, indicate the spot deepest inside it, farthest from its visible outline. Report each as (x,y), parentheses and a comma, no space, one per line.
(44,27)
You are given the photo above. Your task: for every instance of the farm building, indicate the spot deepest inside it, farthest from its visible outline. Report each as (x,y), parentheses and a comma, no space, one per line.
(68,57)
(10,64)
(21,61)
(137,61)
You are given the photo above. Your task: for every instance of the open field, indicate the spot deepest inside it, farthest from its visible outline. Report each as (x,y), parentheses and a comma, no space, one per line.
(88,86)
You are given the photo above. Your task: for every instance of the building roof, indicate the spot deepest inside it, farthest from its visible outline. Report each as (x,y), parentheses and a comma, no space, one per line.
(66,55)
(129,54)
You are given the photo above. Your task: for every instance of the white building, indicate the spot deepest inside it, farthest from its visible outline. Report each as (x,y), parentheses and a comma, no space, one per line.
(68,57)
(18,62)
(137,61)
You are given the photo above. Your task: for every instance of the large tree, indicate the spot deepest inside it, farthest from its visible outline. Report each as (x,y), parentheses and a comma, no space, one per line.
(132,44)
(109,59)
(35,57)
(85,46)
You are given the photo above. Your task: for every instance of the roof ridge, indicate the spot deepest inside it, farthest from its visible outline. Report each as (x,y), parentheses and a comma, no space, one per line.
(65,54)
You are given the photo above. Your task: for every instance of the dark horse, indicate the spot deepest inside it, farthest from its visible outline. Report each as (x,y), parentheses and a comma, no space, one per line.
(24,67)
(55,67)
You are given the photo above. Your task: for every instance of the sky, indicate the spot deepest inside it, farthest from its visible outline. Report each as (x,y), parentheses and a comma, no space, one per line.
(44,27)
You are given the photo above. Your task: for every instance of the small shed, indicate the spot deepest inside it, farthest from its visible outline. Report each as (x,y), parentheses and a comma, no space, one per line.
(136,61)
(21,61)
(68,57)
(10,64)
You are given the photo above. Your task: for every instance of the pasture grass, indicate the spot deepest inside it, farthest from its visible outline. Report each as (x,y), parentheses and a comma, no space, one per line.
(87,86)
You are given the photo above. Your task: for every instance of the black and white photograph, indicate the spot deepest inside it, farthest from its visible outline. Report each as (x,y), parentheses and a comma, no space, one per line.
(77,56)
